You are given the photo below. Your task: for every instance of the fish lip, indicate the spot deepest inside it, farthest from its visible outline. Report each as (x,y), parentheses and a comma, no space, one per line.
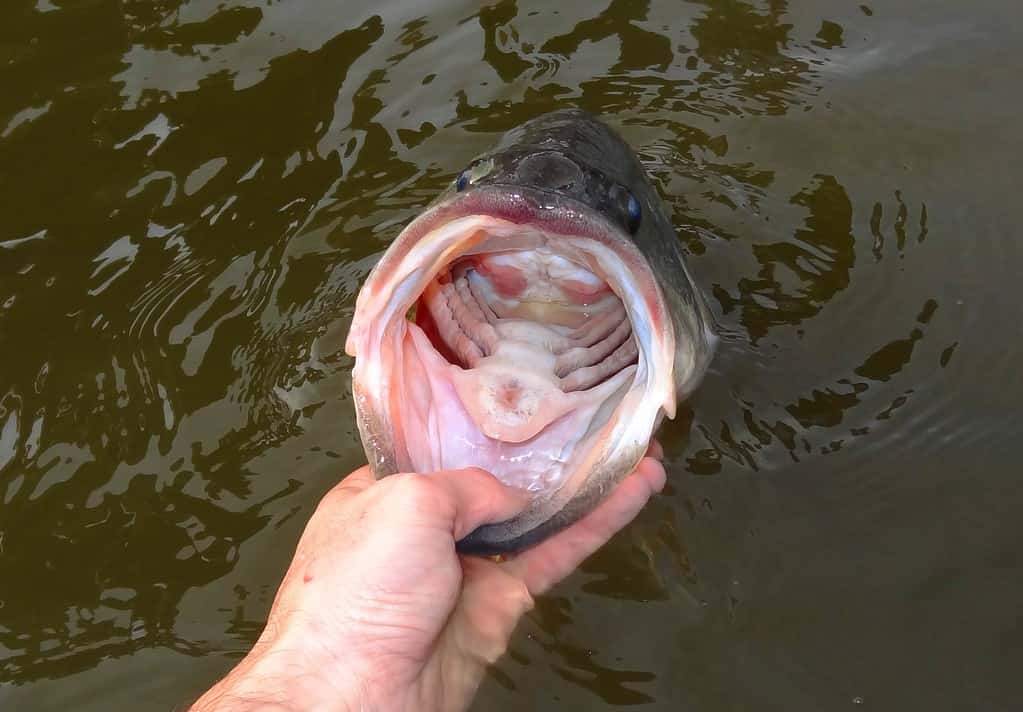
(521,204)
(515,201)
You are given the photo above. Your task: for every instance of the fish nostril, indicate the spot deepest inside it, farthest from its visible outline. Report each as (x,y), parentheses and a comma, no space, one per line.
(550,170)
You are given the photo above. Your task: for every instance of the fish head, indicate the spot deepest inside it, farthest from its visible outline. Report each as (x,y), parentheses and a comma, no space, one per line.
(521,325)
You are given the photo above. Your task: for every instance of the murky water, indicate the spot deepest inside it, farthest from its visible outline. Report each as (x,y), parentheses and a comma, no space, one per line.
(193,191)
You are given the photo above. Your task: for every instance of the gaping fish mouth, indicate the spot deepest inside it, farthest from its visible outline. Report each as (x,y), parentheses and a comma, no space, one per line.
(525,338)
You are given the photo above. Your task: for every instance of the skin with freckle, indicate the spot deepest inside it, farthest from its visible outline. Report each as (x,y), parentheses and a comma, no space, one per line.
(554,325)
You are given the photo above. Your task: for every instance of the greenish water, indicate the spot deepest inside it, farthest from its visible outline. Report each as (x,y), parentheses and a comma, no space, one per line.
(192,193)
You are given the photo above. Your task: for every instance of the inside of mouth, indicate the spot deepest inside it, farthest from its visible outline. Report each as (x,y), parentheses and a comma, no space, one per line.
(514,360)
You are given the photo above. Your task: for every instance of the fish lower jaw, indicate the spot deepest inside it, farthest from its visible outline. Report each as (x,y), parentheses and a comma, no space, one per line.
(461,419)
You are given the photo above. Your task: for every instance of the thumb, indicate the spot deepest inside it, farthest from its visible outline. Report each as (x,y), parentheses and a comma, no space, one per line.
(479,498)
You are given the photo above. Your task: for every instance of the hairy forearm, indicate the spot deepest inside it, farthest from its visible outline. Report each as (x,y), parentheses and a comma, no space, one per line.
(280,678)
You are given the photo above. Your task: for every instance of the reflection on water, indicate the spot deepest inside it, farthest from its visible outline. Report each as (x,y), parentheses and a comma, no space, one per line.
(194,192)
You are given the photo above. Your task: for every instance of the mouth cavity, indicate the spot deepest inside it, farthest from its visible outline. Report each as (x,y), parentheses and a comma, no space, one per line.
(505,347)
(532,346)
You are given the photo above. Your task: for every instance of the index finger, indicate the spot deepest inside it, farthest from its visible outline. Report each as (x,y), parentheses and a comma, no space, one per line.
(546,564)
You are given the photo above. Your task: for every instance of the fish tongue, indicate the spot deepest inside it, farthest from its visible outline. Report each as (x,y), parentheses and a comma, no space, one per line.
(513,394)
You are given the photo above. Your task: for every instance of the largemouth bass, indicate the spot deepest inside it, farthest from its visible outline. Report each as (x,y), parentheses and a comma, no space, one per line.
(536,321)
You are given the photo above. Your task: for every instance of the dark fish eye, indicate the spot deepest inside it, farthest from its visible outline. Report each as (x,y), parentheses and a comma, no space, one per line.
(635,213)
(478,169)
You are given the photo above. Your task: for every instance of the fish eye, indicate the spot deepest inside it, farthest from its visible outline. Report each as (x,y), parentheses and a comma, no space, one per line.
(479,168)
(635,213)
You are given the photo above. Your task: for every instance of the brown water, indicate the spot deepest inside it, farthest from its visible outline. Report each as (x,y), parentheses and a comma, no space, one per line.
(192,193)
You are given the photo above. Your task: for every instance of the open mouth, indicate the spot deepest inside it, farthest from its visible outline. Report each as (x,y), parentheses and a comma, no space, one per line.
(524,355)
(537,355)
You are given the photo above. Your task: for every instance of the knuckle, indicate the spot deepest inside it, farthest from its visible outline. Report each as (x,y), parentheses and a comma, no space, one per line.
(343,492)
(415,491)
(490,655)
(513,602)
(522,597)
(334,500)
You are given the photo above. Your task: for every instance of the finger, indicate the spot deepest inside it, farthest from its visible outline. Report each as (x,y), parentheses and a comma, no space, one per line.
(479,498)
(655,450)
(546,564)
(493,600)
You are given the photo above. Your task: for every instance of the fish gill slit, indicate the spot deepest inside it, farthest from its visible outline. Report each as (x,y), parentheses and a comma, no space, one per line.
(471,323)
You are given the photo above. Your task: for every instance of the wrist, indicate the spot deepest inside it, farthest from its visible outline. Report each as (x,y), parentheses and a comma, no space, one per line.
(282,676)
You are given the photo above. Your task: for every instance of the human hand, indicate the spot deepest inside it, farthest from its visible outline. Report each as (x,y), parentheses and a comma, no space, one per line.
(379,612)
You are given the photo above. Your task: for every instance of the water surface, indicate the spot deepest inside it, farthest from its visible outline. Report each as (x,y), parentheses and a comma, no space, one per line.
(193,191)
